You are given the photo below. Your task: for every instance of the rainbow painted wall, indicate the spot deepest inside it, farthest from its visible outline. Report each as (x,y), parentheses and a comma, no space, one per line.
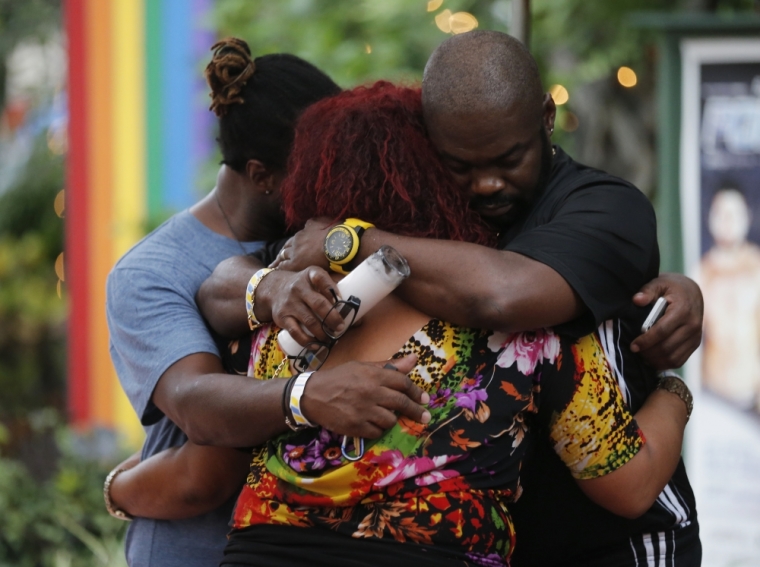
(138,128)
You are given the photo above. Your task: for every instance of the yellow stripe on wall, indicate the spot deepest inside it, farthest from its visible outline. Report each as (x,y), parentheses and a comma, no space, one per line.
(128,169)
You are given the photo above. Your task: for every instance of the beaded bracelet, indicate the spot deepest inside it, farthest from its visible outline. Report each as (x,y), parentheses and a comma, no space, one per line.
(250,296)
(115,512)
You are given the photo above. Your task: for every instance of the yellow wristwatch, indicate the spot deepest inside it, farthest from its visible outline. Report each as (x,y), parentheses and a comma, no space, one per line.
(342,243)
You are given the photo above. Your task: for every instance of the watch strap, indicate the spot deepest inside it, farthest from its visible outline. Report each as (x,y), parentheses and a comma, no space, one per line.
(338,269)
(358,225)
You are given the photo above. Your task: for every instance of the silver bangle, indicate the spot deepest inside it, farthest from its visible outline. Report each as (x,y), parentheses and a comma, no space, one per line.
(115,512)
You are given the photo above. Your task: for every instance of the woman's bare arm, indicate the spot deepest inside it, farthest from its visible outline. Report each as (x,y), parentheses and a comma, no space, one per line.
(632,489)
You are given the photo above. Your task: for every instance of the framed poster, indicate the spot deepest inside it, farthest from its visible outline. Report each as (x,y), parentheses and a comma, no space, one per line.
(720,213)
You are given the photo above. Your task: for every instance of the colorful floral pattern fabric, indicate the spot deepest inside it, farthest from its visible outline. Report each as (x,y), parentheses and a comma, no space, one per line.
(447,483)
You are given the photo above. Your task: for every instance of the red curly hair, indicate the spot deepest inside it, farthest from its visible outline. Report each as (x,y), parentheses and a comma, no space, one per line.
(365,153)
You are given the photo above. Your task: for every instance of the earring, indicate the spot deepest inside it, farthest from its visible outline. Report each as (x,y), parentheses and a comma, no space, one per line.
(551,130)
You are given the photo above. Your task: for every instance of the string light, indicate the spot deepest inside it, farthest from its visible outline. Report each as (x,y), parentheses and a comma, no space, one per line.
(559,94)
(57,142)
(569,122)
(433,5)
(461,22)
(443,21)
(627,77)
(59,267)
(59,204)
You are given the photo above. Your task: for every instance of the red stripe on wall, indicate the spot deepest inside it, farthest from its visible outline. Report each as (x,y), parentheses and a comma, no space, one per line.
(77,215)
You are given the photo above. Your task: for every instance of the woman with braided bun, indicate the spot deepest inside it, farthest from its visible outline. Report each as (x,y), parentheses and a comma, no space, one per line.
(433,491)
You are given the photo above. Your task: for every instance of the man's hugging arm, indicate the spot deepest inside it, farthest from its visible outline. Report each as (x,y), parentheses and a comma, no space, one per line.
(583,265)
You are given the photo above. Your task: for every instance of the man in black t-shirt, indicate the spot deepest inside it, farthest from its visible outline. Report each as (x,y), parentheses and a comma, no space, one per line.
(575,245)
(597,233)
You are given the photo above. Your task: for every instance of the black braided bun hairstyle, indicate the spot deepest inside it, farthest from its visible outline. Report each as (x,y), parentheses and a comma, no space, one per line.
(259,100)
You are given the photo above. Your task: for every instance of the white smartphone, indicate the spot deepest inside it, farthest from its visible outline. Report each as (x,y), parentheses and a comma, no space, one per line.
(657,311)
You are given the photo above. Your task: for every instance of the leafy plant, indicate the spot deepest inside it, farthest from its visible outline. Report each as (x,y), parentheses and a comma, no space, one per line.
(60,521)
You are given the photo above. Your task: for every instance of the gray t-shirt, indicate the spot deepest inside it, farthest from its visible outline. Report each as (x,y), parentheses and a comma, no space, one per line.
(154,322)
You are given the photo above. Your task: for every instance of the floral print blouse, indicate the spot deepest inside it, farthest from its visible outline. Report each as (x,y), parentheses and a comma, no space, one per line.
(447,484)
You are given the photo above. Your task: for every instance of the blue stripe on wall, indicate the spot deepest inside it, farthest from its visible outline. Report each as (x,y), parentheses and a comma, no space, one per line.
(178,70)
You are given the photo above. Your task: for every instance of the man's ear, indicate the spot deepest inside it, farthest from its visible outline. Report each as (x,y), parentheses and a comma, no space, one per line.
(550,113)
(262,177)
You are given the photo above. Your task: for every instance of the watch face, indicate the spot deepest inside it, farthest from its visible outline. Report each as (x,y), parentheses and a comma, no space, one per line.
(338,244)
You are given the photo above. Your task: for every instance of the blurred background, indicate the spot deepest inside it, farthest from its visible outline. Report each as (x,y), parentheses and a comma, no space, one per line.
(105,133)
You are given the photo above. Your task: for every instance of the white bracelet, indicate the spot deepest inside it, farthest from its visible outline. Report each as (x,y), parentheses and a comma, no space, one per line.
(295,400)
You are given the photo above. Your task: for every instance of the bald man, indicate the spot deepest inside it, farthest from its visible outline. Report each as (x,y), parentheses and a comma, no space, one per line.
(575,245)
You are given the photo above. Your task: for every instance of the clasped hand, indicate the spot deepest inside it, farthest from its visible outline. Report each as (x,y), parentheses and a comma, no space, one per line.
(364,399)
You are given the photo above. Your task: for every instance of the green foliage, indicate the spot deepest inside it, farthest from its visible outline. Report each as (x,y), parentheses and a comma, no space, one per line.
(593,34)
(27,206)
(31,312)
(60,522)
(336,35)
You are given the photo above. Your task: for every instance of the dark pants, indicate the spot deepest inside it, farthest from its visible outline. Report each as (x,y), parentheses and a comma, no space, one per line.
(672,548)
(281,546)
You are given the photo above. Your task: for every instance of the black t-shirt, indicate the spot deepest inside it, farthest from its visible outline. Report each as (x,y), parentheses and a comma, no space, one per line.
(599,233)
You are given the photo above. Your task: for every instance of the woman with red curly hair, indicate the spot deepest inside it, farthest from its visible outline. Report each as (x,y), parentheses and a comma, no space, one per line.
(437,492)
(366,153)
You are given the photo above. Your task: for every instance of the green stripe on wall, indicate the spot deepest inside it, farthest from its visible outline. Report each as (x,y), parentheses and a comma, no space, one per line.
(154,86)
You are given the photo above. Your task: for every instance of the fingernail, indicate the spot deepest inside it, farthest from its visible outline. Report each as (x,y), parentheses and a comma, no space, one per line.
(634,348)
(340,328)
(425,398)
(425,417)
(389,366)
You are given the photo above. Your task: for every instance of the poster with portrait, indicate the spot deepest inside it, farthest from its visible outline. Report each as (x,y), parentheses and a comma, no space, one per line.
(720,207)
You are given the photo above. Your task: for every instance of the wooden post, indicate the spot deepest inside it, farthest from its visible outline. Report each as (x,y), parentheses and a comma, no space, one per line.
(520,27)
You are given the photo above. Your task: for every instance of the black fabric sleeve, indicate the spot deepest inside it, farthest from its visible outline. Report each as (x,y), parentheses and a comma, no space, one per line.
(269,251)
(602,239)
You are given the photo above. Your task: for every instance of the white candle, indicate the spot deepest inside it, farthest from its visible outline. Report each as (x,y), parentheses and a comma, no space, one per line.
(374,278)
(371,281)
